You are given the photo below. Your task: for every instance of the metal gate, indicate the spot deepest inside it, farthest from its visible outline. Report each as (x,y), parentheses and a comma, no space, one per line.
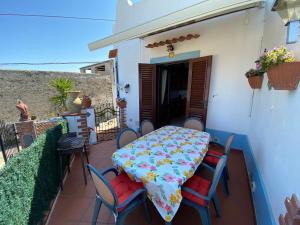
(9,142)
(107,119)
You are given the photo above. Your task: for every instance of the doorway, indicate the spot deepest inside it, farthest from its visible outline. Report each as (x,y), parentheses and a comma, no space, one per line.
(171,92)
(172,85)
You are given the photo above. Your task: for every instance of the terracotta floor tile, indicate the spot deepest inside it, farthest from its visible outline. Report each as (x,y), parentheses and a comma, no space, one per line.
(75,204)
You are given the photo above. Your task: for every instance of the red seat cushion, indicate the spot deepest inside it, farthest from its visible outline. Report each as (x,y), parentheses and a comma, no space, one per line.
(199,185)
(211,160)
(124,187)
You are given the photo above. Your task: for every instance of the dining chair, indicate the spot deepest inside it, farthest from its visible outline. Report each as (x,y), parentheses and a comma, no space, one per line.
(193,123)
(146,127)
(213,156)
(198,191)
(125,137)
(120,195)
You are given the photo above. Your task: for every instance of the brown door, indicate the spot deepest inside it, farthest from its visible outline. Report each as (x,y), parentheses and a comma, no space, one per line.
(198,87)
(147,87)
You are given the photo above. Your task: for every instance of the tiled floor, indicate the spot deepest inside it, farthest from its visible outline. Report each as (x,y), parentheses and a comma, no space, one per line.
(76,203)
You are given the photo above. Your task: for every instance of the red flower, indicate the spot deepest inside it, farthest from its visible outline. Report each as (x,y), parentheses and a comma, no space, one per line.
(168,208)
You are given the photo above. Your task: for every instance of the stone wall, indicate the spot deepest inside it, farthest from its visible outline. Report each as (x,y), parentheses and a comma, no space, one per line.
(33,88)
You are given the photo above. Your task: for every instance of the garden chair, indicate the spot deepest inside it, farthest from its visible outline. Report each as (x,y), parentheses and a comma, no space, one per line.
(120,195)
(198,192)
(146,127)
(193,123)
(213,155)
(125,137)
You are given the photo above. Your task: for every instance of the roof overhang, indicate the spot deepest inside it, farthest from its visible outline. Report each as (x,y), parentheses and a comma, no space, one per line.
(186,16)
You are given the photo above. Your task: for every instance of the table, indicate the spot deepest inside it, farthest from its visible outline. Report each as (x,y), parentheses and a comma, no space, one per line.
(67,145)
(163,160)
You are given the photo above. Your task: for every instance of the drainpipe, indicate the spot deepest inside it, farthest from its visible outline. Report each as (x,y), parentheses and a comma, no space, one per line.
(117,76)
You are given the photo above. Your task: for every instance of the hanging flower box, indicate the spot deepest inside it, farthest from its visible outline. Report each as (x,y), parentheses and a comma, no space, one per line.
(121,102)
(282,69)
(255,82)
(285,76)
(255,78)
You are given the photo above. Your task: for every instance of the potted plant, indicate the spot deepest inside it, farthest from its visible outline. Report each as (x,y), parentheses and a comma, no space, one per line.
(255,78)
(282,69)
(121,102)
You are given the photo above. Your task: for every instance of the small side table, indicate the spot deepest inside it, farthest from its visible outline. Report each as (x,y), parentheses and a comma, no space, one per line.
(68,145)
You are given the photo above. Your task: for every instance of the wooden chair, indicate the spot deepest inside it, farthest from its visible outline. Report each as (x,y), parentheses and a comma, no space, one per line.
(125,137)
(193,123)
(146,127)
(198,192)
(120,195)
(213,156)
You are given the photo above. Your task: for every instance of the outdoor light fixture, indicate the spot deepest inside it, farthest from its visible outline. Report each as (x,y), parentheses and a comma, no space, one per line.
(170,49)
(126,88)
(289,11)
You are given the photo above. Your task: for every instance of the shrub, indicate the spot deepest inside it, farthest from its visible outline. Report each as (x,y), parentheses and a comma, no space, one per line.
(30,181)
(62,86)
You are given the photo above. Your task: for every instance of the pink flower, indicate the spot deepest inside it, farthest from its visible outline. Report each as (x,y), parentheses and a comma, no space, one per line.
(168,156)
(132,158)
(159,202)
(179,180)
(192,164)
(183,163)
(152,168)
(169,178)
(125,155)
(168,208)
(143,165)
(159,153)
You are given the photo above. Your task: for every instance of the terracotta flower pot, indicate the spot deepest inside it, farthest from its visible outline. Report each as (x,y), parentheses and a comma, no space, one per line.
(255,82)
(122,104)
(285,76)
(86,102)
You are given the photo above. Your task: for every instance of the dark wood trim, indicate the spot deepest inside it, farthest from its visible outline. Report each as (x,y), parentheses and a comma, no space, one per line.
(153,119)
(208,61)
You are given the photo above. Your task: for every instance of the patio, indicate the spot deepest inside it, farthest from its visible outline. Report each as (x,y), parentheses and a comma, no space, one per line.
(76,203)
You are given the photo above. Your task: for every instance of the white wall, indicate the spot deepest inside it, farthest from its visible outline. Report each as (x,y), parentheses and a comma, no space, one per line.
(129,54)
(275,127)
(233,40)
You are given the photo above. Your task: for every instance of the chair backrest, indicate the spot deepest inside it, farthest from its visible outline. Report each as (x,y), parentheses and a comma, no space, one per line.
(146,127)
(217,175)
(125,137)
(228,144)
(103,188)
(193,123)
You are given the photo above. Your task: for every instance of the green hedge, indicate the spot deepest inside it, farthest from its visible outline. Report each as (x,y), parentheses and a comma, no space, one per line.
(30,181)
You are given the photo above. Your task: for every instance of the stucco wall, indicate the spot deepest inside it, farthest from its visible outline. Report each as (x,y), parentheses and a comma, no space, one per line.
(271,121)
(233,40)
(275,126)
(33,88)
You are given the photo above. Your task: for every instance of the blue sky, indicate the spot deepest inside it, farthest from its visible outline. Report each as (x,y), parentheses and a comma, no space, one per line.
(30,39)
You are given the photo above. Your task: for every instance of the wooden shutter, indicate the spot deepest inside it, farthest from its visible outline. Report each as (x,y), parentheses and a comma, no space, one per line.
(147,87)
(198,87)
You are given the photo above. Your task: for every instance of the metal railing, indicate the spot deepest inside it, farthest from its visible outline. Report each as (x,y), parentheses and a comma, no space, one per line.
(107,119)
(9,142)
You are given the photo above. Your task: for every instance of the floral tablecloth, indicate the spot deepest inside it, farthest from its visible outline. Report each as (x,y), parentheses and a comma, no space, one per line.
(163,160)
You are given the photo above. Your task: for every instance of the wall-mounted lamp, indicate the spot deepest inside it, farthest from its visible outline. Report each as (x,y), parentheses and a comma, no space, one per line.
(126,88)
(289,11)
(123,87)
(170,49)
